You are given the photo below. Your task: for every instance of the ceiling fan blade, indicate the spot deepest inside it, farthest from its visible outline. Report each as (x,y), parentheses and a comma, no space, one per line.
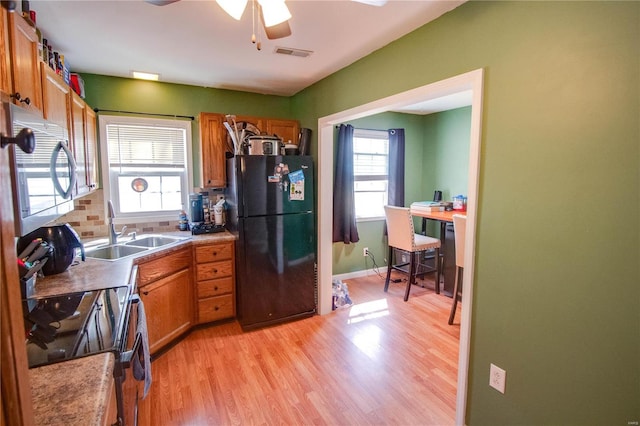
(161,2)
(373,2)
(278,31)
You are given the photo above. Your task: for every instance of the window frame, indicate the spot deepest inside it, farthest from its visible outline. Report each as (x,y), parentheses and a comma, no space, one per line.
(108,182)
(370,134)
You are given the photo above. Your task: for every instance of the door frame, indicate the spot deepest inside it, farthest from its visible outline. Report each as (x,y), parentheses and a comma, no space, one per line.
(473,81)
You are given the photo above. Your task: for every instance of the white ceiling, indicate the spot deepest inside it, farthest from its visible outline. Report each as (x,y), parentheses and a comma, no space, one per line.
(197,43)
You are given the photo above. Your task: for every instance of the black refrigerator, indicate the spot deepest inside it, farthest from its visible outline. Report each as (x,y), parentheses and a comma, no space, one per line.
(270,208)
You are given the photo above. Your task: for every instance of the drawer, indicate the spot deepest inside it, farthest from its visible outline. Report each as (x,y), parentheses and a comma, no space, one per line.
(210,271)
(215,308)
(214,252)
(163,266)
(210,288)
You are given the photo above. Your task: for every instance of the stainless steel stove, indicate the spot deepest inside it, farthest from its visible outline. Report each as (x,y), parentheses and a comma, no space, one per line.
(74,325)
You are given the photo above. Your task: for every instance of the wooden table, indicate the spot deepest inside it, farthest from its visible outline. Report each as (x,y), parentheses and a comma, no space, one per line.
(443,217)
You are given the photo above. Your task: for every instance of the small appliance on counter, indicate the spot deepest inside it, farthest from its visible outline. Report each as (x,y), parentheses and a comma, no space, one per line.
(206,218)
(206,228)
(263,145)
(63,241)
(196,212)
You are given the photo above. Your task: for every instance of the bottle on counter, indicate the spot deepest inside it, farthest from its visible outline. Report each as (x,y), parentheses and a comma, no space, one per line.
(183,221)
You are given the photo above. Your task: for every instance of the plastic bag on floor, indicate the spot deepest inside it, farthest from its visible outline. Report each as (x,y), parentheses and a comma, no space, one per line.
(340,294)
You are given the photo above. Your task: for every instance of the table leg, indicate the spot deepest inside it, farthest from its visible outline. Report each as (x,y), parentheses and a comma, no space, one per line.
(443,230)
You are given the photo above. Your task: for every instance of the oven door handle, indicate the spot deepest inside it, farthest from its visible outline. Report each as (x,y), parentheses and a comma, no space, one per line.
(127,356)
(61,146)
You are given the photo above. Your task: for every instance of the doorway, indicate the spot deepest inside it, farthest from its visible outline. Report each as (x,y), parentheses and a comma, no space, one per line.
(471,81)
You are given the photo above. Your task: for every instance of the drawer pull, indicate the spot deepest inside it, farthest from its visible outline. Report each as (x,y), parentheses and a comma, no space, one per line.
(215,253)
(216,308)
(216,288)
(146,293)
(215,271)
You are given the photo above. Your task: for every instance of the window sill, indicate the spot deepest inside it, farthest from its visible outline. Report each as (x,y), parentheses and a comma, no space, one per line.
(370,219)
(142,219)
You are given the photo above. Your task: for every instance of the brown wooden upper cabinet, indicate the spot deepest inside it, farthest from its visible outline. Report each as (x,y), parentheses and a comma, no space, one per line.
(5,70)
(215,142)
(55,97)
(212,149)
(25,64)
(83,135)
(286,129)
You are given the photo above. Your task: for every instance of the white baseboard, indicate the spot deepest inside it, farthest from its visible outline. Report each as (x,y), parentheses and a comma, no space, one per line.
(358,274)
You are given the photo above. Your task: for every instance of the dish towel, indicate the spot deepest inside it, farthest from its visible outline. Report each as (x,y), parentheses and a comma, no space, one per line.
(142,359)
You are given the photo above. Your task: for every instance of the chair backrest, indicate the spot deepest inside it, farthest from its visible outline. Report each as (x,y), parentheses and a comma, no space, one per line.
(400,227)
(459,229)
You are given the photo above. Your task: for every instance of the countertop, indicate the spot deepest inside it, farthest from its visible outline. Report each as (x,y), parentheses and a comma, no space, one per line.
(76,392)
(96,274)
(79,398)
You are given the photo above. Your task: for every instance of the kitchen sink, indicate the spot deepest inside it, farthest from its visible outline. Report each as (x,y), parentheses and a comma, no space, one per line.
(114,252)
(131,247)
(152,241)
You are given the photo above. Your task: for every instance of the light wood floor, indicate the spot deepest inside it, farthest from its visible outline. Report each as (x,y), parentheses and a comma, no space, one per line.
(381,361)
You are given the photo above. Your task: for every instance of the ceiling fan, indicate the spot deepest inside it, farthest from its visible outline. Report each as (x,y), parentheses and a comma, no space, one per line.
(273,14)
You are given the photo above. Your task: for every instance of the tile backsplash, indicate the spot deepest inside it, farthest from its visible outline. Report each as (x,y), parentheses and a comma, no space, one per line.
(89,219)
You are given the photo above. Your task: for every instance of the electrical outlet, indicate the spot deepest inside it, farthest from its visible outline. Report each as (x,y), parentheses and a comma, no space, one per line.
(497,378)
(365,251)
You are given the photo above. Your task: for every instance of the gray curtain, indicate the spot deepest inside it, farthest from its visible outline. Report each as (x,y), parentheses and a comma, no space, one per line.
(396,170)
(396,167)
(344,209)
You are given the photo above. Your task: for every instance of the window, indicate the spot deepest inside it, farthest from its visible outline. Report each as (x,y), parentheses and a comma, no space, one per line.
(371,172)
(146,166)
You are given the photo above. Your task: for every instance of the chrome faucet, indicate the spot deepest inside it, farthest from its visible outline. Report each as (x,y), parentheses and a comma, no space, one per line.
(113,235)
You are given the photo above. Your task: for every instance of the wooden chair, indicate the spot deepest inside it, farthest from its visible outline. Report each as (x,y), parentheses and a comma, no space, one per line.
(459,229)
(402,236)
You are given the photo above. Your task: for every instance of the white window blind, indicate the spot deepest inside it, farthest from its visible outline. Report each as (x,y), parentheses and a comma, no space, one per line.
(147,163)
(371,172)
(131,145)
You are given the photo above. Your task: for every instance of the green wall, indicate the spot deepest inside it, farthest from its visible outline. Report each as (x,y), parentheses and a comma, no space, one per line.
(124,94)
(446,153)
(436,156)
(556,293)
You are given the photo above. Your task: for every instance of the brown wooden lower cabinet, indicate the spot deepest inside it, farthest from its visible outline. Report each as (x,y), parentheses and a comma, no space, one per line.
(165,287)
(111,410)
(215,281)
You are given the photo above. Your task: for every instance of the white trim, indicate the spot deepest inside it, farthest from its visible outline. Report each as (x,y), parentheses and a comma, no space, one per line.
(359,274)
(473,81)
(103,121)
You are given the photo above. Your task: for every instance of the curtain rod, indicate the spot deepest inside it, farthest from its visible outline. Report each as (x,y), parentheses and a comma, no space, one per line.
(373,130)
(190,117)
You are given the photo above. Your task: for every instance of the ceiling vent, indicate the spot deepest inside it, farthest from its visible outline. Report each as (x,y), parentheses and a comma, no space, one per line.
(293,52)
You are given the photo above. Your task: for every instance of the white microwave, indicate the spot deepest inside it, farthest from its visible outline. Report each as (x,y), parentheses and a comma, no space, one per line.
(43,181)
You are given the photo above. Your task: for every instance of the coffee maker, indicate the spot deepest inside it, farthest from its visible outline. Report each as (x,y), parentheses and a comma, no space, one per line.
(63,240)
